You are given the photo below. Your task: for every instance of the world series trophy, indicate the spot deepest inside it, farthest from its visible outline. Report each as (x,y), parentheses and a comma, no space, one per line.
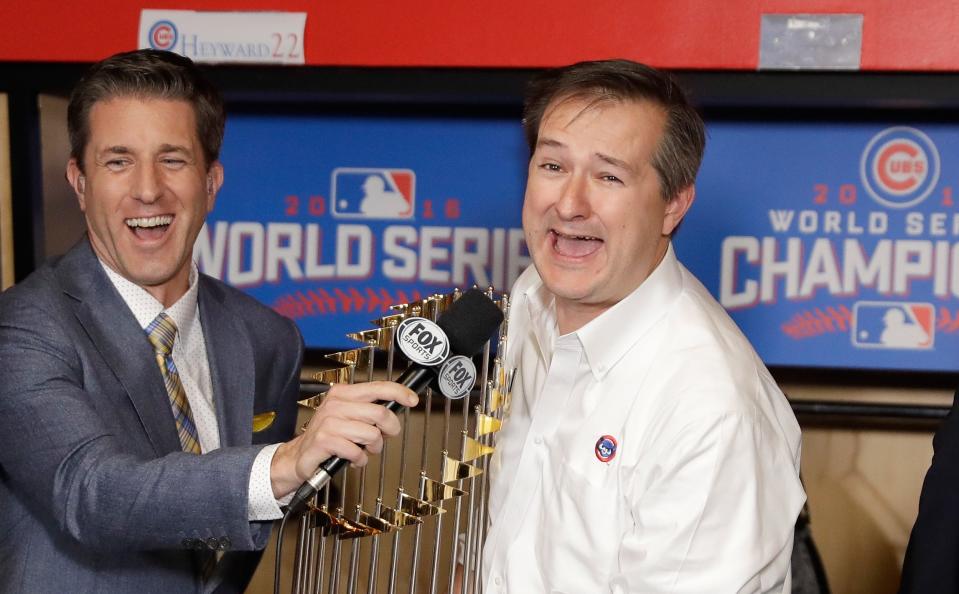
(417,524)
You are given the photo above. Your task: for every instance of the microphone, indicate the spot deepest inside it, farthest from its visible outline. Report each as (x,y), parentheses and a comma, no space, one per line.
(439,352)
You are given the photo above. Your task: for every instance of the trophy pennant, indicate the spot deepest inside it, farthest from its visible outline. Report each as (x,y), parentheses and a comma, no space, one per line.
(352,357)
(397,518)
(365,525)
(439,492)
(390,320)
(338,525)
(381,338)
(454,470)
(486,424)
(417,507)
(473,449)
(338,375)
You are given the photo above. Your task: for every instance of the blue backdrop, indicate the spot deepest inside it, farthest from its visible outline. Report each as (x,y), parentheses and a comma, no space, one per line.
(832,245)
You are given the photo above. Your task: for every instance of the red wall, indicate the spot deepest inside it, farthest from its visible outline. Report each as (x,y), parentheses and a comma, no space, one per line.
(698,34)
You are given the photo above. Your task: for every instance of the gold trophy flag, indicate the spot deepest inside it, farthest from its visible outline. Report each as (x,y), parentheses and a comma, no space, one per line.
(366,525)
(397,518)
(473,449)
(417,507)
(340,375)
(390,320)
(454,470)
(378,337)
(352,357)
(486,424)
(338,525)
(438,491)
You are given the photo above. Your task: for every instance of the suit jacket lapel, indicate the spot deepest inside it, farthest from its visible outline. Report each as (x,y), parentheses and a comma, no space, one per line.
(121,342)
(230,353)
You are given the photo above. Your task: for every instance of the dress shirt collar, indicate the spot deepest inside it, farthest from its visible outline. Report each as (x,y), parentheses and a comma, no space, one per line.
(610,335)
(145,306)
(541,309)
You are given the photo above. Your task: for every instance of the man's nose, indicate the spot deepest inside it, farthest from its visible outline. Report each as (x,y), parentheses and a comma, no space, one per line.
(574,201)
(148,184)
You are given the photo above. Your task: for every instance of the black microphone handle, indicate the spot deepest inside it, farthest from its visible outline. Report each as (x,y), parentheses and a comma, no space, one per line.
(415,378)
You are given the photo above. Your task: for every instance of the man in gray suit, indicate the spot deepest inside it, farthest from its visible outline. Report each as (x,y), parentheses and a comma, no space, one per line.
(120,363)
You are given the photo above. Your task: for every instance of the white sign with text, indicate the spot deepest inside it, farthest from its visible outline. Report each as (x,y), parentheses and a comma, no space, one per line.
(238,37)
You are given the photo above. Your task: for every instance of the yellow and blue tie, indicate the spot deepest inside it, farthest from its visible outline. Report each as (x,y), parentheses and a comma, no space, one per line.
(162,331)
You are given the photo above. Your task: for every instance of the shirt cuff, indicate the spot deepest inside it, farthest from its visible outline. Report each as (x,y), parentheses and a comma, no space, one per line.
(262,504)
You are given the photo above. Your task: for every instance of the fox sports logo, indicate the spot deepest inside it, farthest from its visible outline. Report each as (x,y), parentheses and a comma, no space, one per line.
(900,167)
(162,35)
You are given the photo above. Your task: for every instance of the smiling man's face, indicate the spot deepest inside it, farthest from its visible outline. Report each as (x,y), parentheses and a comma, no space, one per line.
(146,190)
(594,216)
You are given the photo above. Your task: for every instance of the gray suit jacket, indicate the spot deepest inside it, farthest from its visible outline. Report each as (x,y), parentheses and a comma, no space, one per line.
(95,492)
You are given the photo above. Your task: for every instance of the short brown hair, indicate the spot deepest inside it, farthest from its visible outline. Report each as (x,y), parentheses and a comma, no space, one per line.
(680,152)
(148,74)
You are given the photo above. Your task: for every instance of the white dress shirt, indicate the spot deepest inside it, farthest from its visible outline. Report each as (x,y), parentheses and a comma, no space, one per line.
(193,367)
(702,491)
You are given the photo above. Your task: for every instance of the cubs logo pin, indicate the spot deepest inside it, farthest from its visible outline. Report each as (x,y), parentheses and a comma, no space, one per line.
(606,448)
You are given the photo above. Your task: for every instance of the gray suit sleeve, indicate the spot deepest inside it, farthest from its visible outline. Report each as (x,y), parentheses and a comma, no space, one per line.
(58,452)
(285,424)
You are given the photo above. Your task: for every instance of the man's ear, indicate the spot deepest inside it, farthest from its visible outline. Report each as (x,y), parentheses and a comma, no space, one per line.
(214,181)
(677,207)
(78,182)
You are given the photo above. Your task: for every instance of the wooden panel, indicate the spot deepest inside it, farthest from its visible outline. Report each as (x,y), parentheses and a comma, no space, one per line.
(6,224)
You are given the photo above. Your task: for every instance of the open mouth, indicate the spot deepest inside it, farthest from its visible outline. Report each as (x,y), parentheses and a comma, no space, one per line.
(149,228)
(574,246)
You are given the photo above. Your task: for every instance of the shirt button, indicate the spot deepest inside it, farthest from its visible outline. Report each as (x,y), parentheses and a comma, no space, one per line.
(538,440)
(498,581)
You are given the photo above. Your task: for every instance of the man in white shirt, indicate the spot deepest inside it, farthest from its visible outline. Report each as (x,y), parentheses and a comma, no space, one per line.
(129,457)
(647,448)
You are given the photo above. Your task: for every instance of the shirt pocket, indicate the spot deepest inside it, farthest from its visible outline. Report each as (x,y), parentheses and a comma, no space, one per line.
(589,462)
(585,490)
(582,519)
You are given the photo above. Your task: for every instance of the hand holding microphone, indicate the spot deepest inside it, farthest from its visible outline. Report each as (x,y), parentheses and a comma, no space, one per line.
(355,417)
(349,423)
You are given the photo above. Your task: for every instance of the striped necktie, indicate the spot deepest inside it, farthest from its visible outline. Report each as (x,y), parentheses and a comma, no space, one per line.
(161,331)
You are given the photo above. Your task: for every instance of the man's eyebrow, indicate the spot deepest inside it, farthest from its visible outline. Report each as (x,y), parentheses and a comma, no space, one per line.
(614,161)
(117,149)
(120,149)
(550,142)
(170,148)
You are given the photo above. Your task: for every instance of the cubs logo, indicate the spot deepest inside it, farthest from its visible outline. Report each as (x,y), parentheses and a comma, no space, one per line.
(162,35)
(606,448)
(899,167)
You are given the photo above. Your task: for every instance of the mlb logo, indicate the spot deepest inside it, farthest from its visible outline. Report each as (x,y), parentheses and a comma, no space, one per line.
(373,193)
(893,325)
